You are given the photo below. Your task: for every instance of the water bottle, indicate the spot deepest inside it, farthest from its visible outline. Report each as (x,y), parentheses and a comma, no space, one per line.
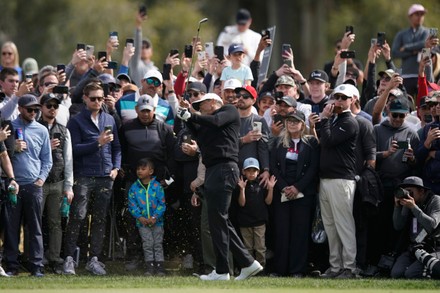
(65,208)
(12,195)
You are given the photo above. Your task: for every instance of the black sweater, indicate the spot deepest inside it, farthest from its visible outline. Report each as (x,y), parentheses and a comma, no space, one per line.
(338,143)
(217,135)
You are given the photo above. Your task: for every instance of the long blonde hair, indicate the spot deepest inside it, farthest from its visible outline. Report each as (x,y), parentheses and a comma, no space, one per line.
(285,138)
(14,50)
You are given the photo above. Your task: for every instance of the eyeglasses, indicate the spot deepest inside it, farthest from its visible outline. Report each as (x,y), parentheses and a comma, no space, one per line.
(343,97)
(32,110)
(46,84)
(50,106)
(93,99)
(398,115)
(193,94)
(7,53)
(153,81)
(244,96)
(385,78)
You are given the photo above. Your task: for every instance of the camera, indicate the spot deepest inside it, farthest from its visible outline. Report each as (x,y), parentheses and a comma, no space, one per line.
(401,193)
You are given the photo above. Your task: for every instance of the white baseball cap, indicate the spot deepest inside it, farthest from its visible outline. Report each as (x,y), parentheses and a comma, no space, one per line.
(232,84)
(210,96)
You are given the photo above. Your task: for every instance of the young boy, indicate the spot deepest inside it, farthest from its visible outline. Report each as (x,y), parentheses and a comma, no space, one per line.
(252,215)
(237,70)
(147,204)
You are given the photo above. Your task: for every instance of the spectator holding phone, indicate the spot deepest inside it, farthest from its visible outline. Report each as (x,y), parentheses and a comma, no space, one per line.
(9,83)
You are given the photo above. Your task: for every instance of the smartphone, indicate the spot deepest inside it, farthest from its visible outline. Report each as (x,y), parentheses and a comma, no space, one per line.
(28,77)
(129,43)
(277,118)
(143,10)
(166,71)
(278,95)
(380,38)
(265,34)
(113,36)
(209,49)
(187,138)
(188,51)
(349,28)
(285,48)
(348,54)
(108,128)
(315,109)
(288,62)
(60,89)
(106,89)
(57,135)
(80,46)
(426,53)
(174,52)
(60,67)
(219,52)
(102,54)
(90,50)
(433,32)
(257,126)
(373,42)
(428,118)
(112,65)
(201,55)
(402,145)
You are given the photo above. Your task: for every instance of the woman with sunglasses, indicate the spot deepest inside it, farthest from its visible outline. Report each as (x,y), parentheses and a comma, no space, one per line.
(295,164)
(10,58)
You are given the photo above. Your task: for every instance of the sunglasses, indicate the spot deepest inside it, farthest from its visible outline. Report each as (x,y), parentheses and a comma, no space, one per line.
(93,99)
(244,96)
(386,78)
(193,94)
(398,115)
(7,53)
(46,84)
(344,98)
(50,106)
(153,81)
(32,110)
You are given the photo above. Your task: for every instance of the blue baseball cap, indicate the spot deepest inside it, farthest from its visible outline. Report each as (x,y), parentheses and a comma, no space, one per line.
(235,48)
(251,163)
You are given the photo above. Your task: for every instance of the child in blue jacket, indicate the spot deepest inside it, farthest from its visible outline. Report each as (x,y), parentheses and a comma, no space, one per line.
(147,204)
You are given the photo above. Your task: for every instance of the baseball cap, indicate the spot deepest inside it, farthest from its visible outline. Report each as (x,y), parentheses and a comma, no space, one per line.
(288,100)
(107,78)
(250,89)
(347,90)
(298,115)
(399,106)
(251,163)
(266,94)
(197,86)
(210,96)
(145,102)
(243,15)
(123,76)
(319,75)
(413,181)
(30,66)
(231,84)
(423,101)
(129,87)
(388,72)
(28,100)
(286,80)
(416,8)
(47,97)
(153,73)
(397,93)
(233,48)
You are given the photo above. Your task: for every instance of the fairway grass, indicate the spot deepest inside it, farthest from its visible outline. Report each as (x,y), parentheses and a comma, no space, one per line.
(129,284)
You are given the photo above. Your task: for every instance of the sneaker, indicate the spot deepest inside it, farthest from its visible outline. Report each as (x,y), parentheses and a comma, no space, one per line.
(249,271)
(329,274)
(37,272)
(346,274)
(160,270)
(69,266)
(213,276)
(151,270)
(3,273)
(188,262)
(96,267)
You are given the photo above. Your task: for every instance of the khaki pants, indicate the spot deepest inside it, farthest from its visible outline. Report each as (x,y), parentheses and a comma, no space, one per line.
(254,241)
(336,201)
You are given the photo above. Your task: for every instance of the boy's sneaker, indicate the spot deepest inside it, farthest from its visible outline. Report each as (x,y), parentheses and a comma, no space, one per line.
(213,276)
(151,270)
(249,271)
(3,273)
(69,266)
(96,267)
(160,269)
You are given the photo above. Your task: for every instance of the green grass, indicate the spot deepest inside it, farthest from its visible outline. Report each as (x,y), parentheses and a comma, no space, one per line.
(128,284)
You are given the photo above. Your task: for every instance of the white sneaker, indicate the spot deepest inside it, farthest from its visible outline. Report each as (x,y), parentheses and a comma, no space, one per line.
(249,271)
(3,273)
(213,276)
(69,266)
(96,267)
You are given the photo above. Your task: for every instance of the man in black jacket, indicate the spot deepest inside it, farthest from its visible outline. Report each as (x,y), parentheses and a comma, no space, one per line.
(337,171)
(217,134)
